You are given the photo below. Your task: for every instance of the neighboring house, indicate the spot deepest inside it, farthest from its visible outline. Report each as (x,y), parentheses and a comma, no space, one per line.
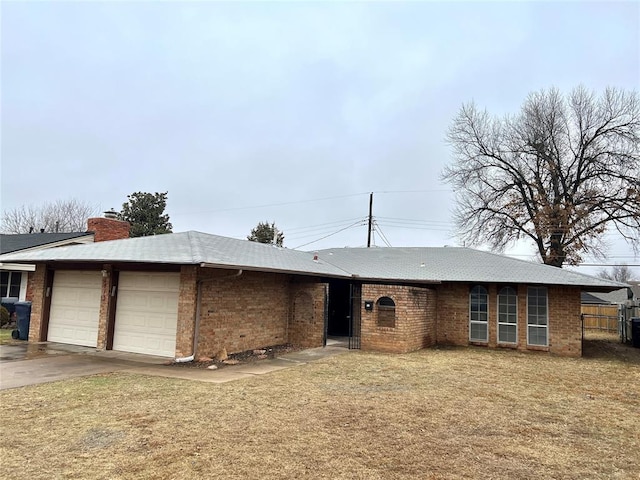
(189,294)
(592,298)
(616,297)
(13,277)
(14,281)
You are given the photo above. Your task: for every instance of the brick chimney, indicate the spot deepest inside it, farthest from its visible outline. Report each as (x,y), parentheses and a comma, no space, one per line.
(108,227)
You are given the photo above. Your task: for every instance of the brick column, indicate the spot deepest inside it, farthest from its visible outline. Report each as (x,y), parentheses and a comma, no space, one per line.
(105,303)
(186,310)
(37,288)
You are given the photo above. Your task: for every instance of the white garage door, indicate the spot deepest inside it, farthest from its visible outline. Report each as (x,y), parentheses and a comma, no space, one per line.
(75,307)
(147,313)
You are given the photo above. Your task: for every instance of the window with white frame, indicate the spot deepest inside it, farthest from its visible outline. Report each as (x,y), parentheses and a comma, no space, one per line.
(478,314)
(537,316)
(507,315)
(10,284)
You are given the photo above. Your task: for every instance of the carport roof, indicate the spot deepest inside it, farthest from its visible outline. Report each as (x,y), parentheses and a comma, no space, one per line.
(399,264)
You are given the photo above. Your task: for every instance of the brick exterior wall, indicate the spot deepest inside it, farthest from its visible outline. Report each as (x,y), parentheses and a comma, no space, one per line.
(37,289)
(565,324)
(306,320)
(453,314)
(107,229)
(565,327)
(415,322)
(256,310)
(186,310)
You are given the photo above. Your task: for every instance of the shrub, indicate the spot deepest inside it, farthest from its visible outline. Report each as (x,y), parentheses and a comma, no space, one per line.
(5,318)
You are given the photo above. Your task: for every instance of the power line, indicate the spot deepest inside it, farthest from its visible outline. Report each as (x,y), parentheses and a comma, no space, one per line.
(359,223)
(382,235)
(321,199)
(408,220)
(322,225)
(606,265)
(294,202)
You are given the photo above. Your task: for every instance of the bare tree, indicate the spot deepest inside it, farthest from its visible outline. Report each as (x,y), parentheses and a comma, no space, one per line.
(560,173)
(618,273)
(59,216)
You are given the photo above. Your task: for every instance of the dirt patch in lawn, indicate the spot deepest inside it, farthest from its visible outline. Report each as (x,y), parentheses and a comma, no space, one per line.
(447,413)
(607,346)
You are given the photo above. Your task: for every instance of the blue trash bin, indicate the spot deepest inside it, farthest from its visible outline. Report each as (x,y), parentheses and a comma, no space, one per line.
(23,312)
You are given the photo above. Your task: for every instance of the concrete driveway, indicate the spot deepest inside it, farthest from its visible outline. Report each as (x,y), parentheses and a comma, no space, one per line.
(31,364)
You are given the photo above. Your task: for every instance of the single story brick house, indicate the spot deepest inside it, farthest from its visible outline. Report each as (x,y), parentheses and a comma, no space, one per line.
(188,294)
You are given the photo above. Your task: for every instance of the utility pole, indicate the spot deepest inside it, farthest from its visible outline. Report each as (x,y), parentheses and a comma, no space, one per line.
(370,219)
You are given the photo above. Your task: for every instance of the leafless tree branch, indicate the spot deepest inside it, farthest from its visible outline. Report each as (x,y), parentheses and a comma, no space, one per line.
(560,173)
(58,216)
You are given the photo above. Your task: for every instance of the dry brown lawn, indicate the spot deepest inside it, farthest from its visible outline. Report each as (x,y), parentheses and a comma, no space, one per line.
(434,414)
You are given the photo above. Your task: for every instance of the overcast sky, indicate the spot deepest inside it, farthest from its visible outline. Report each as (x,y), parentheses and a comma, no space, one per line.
(288,112)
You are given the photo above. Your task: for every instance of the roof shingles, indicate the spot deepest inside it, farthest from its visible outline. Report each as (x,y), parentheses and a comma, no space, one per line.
(416,265)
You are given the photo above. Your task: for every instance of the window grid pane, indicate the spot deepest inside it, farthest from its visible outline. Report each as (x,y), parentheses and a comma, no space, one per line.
(507,333)
(537,316)
(14,284)
(537,335)
(507,315)
(478,314)
(4,284)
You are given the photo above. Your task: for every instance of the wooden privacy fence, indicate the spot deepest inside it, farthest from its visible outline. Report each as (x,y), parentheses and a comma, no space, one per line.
(600,317)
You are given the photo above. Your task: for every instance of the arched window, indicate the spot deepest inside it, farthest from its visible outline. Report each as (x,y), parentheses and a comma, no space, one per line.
(386,312)
(478,314)
(507,315)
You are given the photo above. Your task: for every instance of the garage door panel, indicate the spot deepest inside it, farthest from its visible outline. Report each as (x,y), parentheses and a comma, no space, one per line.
(75,307)
(73,279)
(143,301)
(150,282)
(146,313)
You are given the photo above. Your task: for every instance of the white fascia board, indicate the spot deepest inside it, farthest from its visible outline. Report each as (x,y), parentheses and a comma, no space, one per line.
(17,267)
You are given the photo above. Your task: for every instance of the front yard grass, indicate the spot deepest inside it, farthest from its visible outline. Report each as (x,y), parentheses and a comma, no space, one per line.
(434,414)
(5,336)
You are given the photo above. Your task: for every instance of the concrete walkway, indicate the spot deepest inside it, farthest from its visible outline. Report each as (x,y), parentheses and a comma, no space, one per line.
(30,364)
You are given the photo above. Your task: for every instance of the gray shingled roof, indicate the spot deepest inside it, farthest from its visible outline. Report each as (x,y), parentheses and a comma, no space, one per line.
(618,296)
(22,241)
(415,265)
(187,248)
(452,264)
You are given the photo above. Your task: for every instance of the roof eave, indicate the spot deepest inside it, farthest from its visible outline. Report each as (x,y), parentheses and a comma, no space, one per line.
(271,270)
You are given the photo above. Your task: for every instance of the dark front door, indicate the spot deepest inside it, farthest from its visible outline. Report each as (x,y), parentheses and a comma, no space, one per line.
(355,317)
(339,309)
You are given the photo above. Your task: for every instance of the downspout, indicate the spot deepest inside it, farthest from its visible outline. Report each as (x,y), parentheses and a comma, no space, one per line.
(196,332)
